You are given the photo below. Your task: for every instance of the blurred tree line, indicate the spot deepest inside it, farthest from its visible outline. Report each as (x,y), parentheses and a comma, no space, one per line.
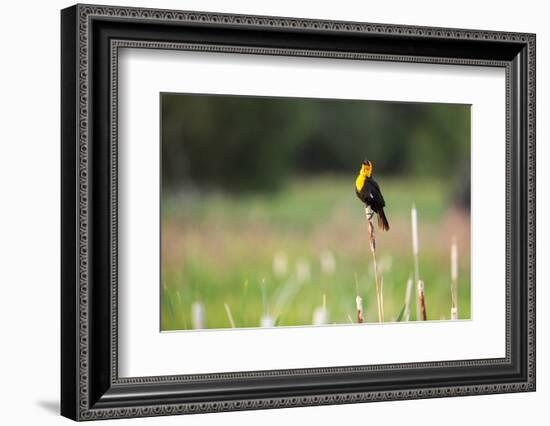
(243,143)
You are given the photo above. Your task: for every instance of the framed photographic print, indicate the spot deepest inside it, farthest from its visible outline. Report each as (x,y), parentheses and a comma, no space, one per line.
(263,212)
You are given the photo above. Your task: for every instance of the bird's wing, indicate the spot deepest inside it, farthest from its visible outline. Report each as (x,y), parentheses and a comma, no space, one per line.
(374,194)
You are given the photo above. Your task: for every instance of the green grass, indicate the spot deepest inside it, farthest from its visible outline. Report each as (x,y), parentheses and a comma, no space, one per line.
(220,249)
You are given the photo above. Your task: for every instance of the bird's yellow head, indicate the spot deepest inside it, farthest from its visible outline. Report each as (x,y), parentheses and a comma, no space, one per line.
(364,173)
(366,168)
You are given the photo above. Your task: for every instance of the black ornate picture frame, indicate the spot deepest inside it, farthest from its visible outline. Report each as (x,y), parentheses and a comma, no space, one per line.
(90,385)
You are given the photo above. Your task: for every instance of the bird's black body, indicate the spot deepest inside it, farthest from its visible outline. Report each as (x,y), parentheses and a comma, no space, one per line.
(368,191)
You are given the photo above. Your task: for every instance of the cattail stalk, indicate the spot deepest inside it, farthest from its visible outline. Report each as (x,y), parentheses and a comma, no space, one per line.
(414,226)
(198,316)
(372,240)
(320,314)
(454,280)
(267,321)
(407,313)
(422,300)
(229,316)
(454,313)
(359,303)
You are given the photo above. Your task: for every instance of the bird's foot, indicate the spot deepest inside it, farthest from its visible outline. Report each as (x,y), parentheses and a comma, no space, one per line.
(369,213)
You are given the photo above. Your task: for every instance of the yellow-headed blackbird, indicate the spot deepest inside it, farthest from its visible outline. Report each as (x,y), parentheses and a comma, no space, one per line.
(369,193)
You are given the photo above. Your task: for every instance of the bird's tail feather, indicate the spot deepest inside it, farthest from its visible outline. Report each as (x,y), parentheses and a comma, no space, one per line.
(383,221)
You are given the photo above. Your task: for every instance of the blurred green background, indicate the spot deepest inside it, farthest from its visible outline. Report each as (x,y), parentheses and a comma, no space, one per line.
(261,224)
